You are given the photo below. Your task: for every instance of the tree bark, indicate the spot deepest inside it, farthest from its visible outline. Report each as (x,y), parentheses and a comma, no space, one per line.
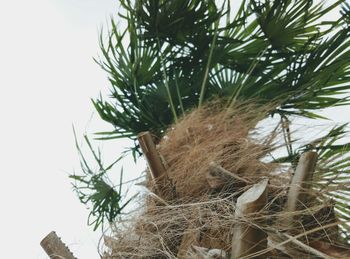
(248,239)
(153,159)
(55,248)
(301,182)
(297,198)
(218,176)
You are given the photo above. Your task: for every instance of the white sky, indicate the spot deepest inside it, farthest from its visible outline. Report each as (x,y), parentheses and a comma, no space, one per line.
(47,77)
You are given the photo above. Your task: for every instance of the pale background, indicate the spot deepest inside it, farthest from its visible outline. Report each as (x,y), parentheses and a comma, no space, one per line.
(47,77)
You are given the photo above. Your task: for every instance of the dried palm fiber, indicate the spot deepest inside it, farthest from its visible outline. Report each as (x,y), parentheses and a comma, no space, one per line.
(197,208)
(213,134)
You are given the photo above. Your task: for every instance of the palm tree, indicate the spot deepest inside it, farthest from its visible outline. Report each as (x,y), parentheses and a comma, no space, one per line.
(176,56)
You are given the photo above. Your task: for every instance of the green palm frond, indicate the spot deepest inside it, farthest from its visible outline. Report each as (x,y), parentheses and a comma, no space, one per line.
(174,55)
(273,51)
(94,189)
(331,178)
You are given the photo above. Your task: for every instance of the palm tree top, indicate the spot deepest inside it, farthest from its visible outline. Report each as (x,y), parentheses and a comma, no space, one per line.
(174,55)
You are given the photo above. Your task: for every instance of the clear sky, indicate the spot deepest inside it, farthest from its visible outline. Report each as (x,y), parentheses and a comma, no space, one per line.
(47,77)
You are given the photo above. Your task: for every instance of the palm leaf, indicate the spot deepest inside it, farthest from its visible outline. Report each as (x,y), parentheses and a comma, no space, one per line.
(172,56)
(280,51)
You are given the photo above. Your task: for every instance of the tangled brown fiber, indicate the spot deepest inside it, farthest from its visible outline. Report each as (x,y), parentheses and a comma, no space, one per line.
(196,209)
(214,134)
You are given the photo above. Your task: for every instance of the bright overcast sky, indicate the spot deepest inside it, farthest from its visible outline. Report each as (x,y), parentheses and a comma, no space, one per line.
(47,77)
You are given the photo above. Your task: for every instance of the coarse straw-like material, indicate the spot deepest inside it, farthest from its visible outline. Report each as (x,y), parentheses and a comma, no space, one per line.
(212,156)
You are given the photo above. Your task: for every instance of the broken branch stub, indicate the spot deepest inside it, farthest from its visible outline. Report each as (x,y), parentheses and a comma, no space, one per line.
(301,182)
(153,159)
(217,177)
(163,185)
(55,248)
(297,198)
(248,239)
